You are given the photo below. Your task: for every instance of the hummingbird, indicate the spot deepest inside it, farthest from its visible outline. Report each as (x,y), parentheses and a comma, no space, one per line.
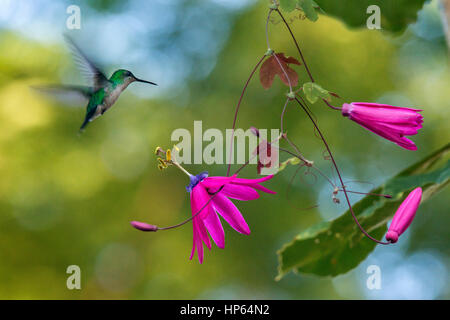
(102,92)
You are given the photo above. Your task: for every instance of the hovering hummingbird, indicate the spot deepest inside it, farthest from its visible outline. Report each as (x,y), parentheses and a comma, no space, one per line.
(102,92)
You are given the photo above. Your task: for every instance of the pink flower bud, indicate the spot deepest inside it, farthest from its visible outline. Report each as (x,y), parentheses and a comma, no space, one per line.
(390,122)
(143,226)
(404,215)
(255,131)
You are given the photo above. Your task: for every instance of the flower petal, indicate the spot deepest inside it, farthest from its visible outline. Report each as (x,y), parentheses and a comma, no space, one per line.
(199,198)
(239,192)
(254,183)
(230,213)
(197,244)
(387,134)
(407,144)
(262,188)
(389,122)
(199,249)
(216,182)
(251,181)
(402,129)
(215,229)
(193,249)
(202,231)
(379,105)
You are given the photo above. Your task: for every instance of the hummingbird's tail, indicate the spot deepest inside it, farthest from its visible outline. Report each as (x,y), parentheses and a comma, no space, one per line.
(90,115)
(85,123)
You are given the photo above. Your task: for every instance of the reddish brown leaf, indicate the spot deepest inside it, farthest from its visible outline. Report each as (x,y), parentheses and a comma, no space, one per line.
(266,155)
(267,73)
(288,60)
(273,66)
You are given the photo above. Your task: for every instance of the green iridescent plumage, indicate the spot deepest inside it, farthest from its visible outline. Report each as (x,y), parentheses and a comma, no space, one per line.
(96,99)
(102,92)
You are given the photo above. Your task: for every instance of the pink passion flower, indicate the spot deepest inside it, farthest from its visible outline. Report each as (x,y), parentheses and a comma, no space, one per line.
(390,122)
(206,198)
(404,215)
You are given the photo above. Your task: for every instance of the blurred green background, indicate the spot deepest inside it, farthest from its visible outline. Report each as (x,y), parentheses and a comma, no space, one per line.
(67,199)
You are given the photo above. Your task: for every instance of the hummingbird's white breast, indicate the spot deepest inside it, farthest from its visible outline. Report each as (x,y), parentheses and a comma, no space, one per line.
(113,94)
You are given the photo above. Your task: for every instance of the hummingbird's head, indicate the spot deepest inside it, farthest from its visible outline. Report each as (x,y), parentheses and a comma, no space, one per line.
(126,77)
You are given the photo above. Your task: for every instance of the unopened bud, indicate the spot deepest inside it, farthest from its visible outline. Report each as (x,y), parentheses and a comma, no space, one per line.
(144,226)
(404,215)
(255,131)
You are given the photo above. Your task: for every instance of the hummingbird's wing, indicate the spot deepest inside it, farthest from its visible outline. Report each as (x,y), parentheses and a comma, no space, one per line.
(87,67)
(67,94)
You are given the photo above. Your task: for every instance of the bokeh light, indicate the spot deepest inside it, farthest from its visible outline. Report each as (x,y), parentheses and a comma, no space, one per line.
(67,198)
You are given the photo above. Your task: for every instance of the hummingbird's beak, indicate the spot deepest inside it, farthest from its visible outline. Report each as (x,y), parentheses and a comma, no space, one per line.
(144,81)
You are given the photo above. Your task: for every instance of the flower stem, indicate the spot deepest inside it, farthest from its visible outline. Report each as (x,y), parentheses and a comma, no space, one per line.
(301,56)
(194,215)
(284,136)
(296,44)
(388,196)
(331,106)
(339,174)
(274,54)
(237,110)
(267,29)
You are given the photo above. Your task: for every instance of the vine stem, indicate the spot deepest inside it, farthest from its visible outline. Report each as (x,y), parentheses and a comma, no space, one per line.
(388,196)
(194,215)
(237,110)
(274,53)
(339,175)
(212,195)
(331,106)
(317,128)
(220,189)
(267,29)
(296,44)
(284,71)
(306,111)
(284,136)
(302,57)
(229,163)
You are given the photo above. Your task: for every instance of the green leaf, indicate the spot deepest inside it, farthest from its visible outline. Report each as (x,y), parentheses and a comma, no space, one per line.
(318,8)
(308,7)
(293,161)
(395,14)
(287,5)
(335,247)
(313,91)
